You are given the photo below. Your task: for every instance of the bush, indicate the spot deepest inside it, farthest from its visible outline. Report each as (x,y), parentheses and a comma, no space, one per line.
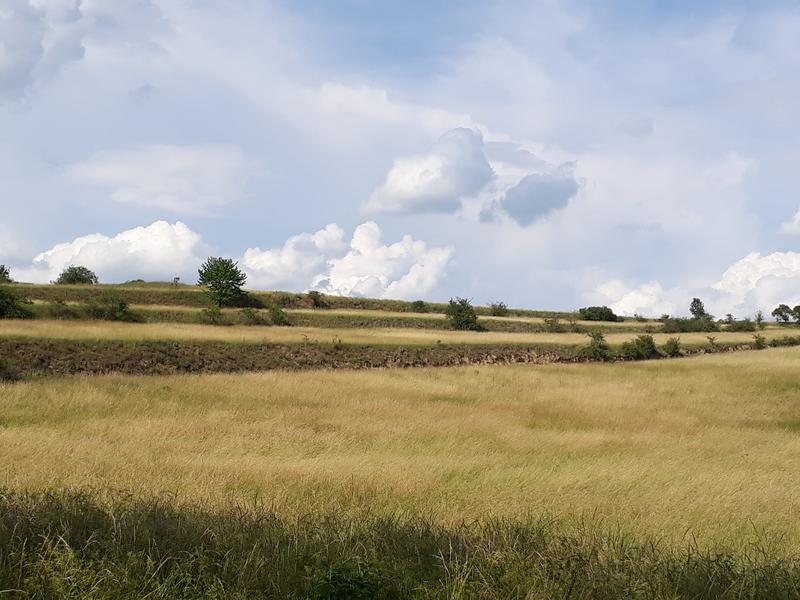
(598,313)
(672,347)
(110,307)
(77,275)
(12,306)
(418,306)
(251,316)
(7,372)
(712,343)
(352,579)
(212,315)
(680,325)
(318,299)
(278,317)
(759,342)
(743,325)
(5,275)
(642,347)
(553,325)
(58,309)
(498,309)
(461,315)
(598,347)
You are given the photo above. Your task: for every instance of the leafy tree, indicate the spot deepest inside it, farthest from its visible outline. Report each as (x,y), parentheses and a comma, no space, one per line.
(77,274)
(222,279)
(698,309)
(461,315)
(597,313)
(760,319)
(782,313)
(5,275)
(12,306)
(317,299)
(796,313)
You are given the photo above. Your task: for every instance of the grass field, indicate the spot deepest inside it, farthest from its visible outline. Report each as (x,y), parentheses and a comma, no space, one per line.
(706,446)
(102,330)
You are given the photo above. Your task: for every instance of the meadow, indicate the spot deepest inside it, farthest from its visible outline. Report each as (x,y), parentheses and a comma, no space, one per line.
(670,478)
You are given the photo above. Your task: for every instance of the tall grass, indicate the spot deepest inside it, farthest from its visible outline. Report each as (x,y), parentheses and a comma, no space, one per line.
(65,546)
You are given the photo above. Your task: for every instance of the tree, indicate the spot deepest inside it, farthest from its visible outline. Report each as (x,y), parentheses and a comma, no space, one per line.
(222,279)
(796,313)
(461,315)
(698,309)
(12,306)
(760,319)
(5,275)
(782,313)
(597,313)
(498,309)
(77,275)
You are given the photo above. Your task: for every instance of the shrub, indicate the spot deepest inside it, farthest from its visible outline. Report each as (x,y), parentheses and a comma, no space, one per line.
(498,309)
(461,315)
(7,372)
(712,343)
(759,342)
(641,347)
(760,319)
(418,306)
(251,316)
(598,347)
(212,315)
(277,316)
(77,275)
(680,325)
(597,313)
(672,347)
(58,309)
(318,299)
(222,279)
(109,307)
(743,325)
(12,306)
(352,579)
(5,275)
(553,325)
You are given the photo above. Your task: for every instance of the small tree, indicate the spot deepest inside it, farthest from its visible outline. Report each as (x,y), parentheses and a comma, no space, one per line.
(760,319)
(698,309)
(222,279)
(597,313)
(77,275)
(419,306)
(317,299)
(461,315)
(5,275)
(598,348)
(782,313)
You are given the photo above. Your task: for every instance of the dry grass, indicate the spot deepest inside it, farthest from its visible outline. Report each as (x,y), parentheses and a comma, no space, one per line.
(707,445)
(104,330)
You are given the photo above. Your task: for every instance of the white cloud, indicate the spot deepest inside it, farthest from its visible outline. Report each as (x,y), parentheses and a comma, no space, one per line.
(760,282)
(407,269)
(647,299)
(792,227)
(364,267)
(190,179)
(161,250)
(456,167)
(294,265)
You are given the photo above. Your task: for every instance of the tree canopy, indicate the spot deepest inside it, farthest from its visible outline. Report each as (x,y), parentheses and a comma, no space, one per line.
(223,280)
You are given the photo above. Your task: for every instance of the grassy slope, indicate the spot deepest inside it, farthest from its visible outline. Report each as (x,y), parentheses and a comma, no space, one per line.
(707,445)
(103,330)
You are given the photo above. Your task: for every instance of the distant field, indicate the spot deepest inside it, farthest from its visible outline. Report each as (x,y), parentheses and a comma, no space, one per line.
(703,447)
(103,330)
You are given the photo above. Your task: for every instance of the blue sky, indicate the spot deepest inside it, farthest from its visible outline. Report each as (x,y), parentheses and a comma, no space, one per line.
(548,154)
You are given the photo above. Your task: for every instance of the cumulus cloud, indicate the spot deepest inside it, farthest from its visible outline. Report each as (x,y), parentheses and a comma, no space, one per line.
(436,182)
(191,179)
(406,269)
(649,299)
(294,265)
(363,267)
(161,250)
(762,282)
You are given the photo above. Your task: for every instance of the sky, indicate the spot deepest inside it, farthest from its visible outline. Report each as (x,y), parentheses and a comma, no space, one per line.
(547,154)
